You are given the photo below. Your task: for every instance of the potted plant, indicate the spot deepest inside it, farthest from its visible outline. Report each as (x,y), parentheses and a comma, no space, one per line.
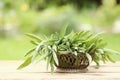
(73,51)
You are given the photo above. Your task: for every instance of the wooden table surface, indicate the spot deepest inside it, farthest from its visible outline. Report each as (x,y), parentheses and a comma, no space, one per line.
(108,71)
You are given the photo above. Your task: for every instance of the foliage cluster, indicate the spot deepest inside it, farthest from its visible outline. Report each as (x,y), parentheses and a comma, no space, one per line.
(83,42)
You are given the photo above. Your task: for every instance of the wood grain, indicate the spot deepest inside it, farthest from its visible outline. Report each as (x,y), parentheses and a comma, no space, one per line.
(108,71)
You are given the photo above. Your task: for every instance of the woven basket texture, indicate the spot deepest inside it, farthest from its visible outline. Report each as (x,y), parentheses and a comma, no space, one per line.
(71,61)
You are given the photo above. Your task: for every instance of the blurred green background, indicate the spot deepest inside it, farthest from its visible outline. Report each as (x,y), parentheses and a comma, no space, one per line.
(18,17)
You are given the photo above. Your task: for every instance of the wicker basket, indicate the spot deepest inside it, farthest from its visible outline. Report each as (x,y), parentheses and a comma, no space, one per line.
(72,62)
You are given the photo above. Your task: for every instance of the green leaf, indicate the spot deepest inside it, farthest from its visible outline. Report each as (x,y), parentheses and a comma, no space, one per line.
(89,57)
(75,53)
(111,51)
(30,51)
(93,49)
(52,65)
(100,51)
(110,59)
(98,55)
(37,50)
(55,36)
(49,42)
(90,47)
(97,63)
(34,43)
(89,35)
(39,46)
(55,57)
(85,33)
(43,56)
(63,31)
(48,61)
(94,37)
(79,33)
(33,37)
(26,63)
(103,59)
(70,35)
(96,60)
(55,48)
(114,55)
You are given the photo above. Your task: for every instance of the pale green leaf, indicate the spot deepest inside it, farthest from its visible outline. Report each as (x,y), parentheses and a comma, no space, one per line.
(96,60)
(94,37)
(33,37)
(70,35)
(48,61)
(90,47)
(75,53)
(98,55)
(30,51)
(39,46)
(55,48)
(114,55)
(85,33)
(97,63)
(63,31)
(55,57)
(34,42)
(110,58)
(89,57)
(43,56)
(100,51)
(52,65)
(111,51)
(26,63)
